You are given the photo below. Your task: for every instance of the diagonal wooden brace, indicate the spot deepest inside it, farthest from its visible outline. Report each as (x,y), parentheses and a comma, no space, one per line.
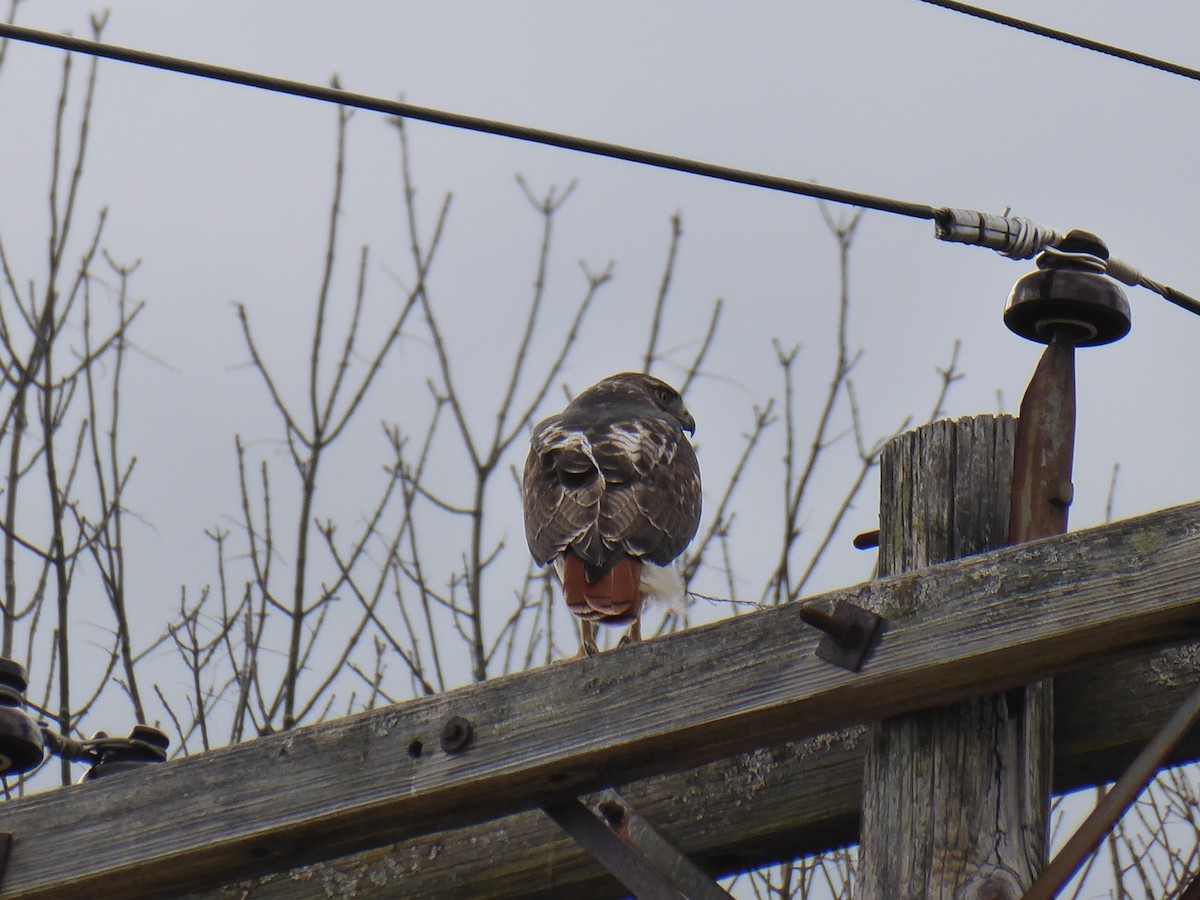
(1119,798)
(633,851)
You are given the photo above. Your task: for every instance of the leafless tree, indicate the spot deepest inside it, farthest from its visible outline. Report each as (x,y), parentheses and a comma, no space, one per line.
(62,351)
(311,613)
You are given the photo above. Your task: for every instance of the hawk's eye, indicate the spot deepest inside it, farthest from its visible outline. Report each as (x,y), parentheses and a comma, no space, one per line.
(665,397)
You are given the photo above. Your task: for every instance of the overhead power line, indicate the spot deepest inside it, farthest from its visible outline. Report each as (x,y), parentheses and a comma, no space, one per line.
(1014,236)
(470,123)
(1067,38)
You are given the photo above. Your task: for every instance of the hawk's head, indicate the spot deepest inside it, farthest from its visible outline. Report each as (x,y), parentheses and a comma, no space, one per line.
(636,389)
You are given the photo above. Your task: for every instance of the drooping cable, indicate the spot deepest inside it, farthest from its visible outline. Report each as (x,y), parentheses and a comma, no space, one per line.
(469,123)
(1012,236)
(1066,37)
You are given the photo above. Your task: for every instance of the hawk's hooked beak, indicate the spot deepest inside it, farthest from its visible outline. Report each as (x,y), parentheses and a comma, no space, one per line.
(688,423)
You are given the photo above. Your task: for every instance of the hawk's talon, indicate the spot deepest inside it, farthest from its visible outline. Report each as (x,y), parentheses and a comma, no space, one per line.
(633,635)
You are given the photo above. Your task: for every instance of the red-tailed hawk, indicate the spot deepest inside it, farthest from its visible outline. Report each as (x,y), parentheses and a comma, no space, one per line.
(612,496)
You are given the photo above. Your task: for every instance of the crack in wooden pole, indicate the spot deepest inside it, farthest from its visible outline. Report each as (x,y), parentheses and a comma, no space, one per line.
(955,799)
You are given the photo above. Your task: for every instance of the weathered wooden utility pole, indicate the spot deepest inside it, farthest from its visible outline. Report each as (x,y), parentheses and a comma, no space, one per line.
(954,799)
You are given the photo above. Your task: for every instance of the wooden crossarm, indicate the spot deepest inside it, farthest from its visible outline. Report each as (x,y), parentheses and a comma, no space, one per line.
(1007,618)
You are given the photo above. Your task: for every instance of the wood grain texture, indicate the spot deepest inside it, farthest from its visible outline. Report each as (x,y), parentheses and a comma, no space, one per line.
(315,793)
(754,809)
(955,799)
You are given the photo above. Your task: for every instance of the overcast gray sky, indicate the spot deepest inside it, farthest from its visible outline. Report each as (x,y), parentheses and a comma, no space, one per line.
(223,192)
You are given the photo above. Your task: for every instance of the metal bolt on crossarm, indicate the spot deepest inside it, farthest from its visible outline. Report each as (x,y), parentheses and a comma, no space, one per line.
(456,734)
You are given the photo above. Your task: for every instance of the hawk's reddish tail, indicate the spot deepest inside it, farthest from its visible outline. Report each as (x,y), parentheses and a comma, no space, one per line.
(616,599)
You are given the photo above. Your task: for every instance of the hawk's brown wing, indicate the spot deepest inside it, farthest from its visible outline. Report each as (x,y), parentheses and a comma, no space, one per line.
(612,489)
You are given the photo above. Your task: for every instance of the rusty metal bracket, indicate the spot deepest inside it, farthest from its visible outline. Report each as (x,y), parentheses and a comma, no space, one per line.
(867,540)
(850,633)
(1045,444)
(633,851)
